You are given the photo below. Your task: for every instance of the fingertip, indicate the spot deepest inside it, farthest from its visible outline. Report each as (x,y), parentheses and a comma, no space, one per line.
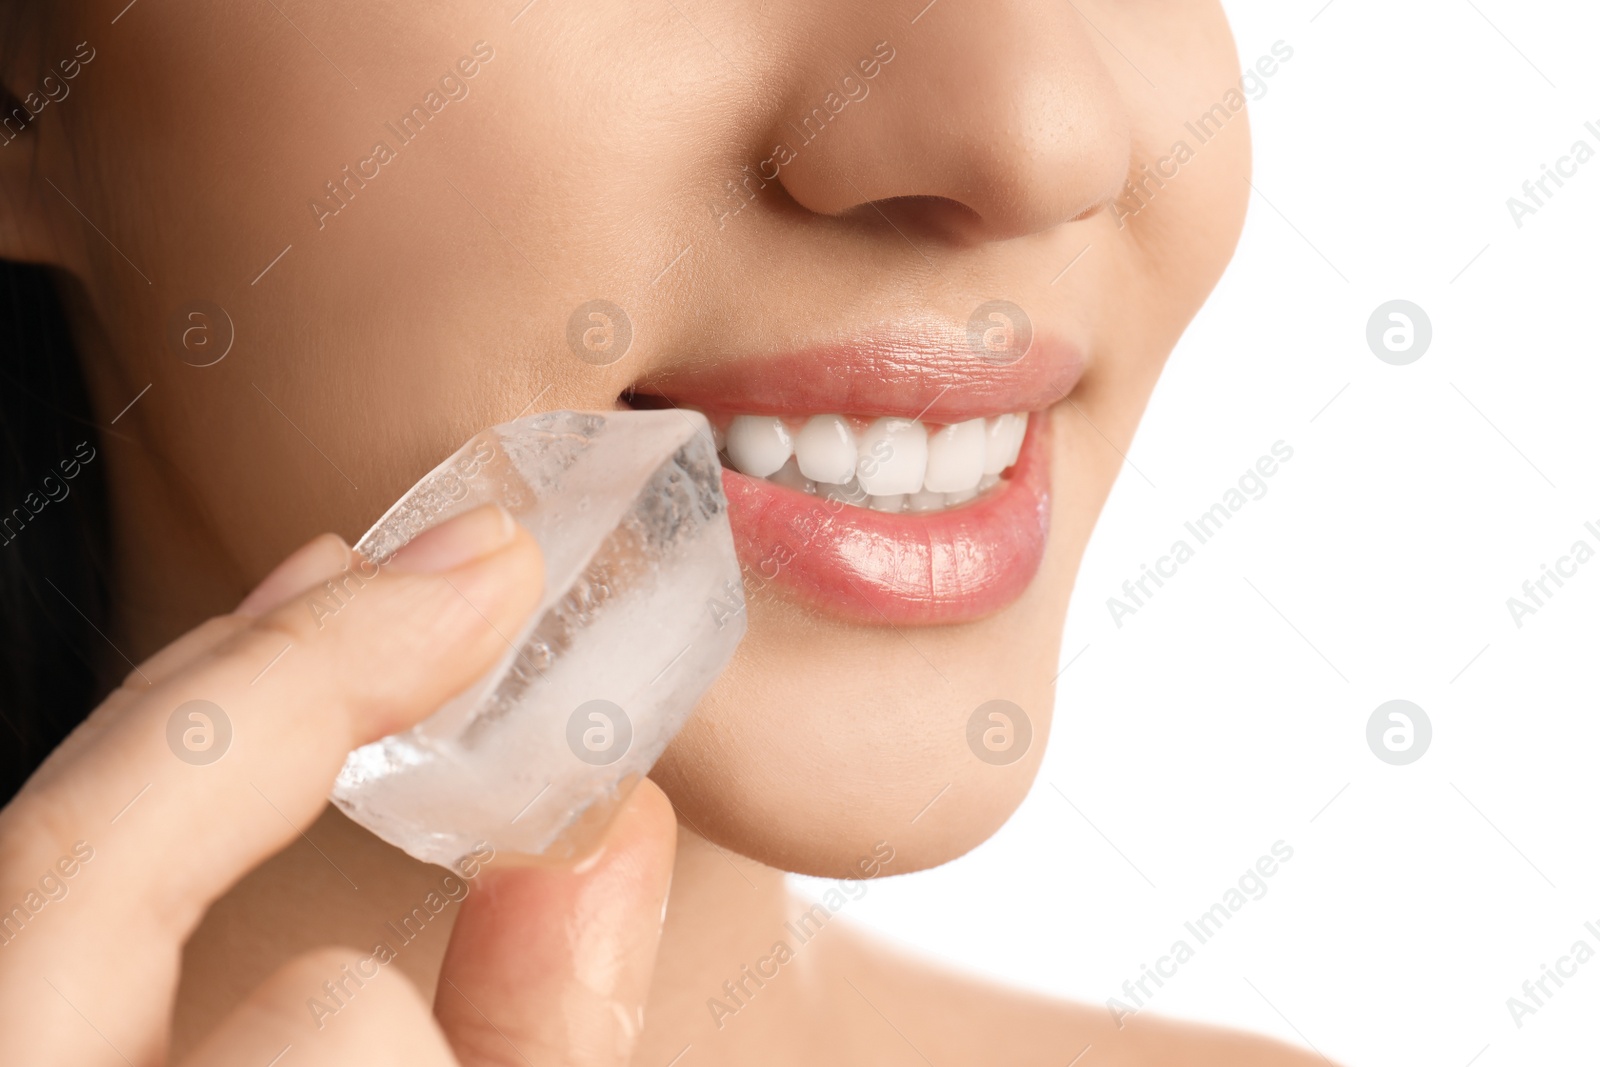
(503,581)
(470,536)
(651,815)
(315,561)
(564,945)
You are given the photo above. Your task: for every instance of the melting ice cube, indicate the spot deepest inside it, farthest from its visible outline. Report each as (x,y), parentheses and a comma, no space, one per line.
(642,610)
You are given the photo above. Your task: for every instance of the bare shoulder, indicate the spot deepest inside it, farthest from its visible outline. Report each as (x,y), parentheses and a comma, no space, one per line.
(950,1016)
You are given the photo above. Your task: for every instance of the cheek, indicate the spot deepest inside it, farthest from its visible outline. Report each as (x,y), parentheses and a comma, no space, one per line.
(1201,227)
(1192,221)
(418,300)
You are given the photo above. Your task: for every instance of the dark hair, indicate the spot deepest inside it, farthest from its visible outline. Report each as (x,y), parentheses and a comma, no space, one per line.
(54,549)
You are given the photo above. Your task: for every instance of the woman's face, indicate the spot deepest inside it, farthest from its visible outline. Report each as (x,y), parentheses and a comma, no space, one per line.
(405,211)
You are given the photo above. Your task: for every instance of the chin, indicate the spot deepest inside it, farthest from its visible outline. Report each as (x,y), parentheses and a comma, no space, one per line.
(823,744)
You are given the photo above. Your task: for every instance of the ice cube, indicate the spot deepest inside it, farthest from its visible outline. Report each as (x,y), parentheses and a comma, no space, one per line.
(642,609)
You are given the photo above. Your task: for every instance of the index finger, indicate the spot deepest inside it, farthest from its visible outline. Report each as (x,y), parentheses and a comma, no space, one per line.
(167,834)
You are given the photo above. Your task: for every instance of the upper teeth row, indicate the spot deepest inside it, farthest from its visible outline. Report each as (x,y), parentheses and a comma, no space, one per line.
(887,457)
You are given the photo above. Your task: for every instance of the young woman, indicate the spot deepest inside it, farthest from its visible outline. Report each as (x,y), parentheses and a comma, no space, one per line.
(281,258)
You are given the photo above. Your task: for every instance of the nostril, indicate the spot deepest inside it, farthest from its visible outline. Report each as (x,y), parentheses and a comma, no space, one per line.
(942,216)
(924,203)
(1091,211)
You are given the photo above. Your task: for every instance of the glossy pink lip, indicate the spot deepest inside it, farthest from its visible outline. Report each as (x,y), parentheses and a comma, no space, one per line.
(929,375)
(871,567)
(901,570)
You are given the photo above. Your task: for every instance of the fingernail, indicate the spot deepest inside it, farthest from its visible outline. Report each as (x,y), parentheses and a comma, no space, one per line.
(315,561)
(469,536)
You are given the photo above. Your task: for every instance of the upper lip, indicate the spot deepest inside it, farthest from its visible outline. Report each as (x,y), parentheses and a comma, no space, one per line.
(929,373)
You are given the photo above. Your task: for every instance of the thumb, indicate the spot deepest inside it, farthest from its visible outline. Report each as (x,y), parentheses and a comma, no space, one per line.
(551,964)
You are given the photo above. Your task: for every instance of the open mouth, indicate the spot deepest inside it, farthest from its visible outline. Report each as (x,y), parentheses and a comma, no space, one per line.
(889,483)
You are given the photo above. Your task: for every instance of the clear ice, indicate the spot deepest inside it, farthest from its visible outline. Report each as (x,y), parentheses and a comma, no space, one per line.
(643,607)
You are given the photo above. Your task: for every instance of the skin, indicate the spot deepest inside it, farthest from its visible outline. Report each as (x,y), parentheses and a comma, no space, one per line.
(580,164)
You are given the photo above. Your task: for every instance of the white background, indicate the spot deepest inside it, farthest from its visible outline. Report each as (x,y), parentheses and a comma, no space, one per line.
(1230,712)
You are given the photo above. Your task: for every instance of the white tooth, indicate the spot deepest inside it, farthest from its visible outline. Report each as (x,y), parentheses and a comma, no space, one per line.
(758,444)
(849,493)
(952,499)
(1018,428)
(826,449)
(893,457)
(955,457)
(719,438)
(897,502)
(789,475)
(988,481)
(923,500)
(994,446)
(998,453)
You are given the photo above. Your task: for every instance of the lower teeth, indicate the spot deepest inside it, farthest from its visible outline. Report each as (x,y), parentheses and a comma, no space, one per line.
(920,502)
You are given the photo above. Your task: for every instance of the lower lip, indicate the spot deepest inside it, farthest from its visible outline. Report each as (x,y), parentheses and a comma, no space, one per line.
(874,568)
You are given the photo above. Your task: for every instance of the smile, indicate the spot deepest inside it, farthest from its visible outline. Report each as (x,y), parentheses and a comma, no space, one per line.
(887,464)
(897,482)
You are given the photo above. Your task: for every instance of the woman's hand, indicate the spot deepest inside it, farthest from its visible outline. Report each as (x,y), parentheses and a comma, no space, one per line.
(111,853)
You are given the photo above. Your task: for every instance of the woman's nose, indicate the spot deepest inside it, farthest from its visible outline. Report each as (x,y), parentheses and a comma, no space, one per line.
(982,120)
